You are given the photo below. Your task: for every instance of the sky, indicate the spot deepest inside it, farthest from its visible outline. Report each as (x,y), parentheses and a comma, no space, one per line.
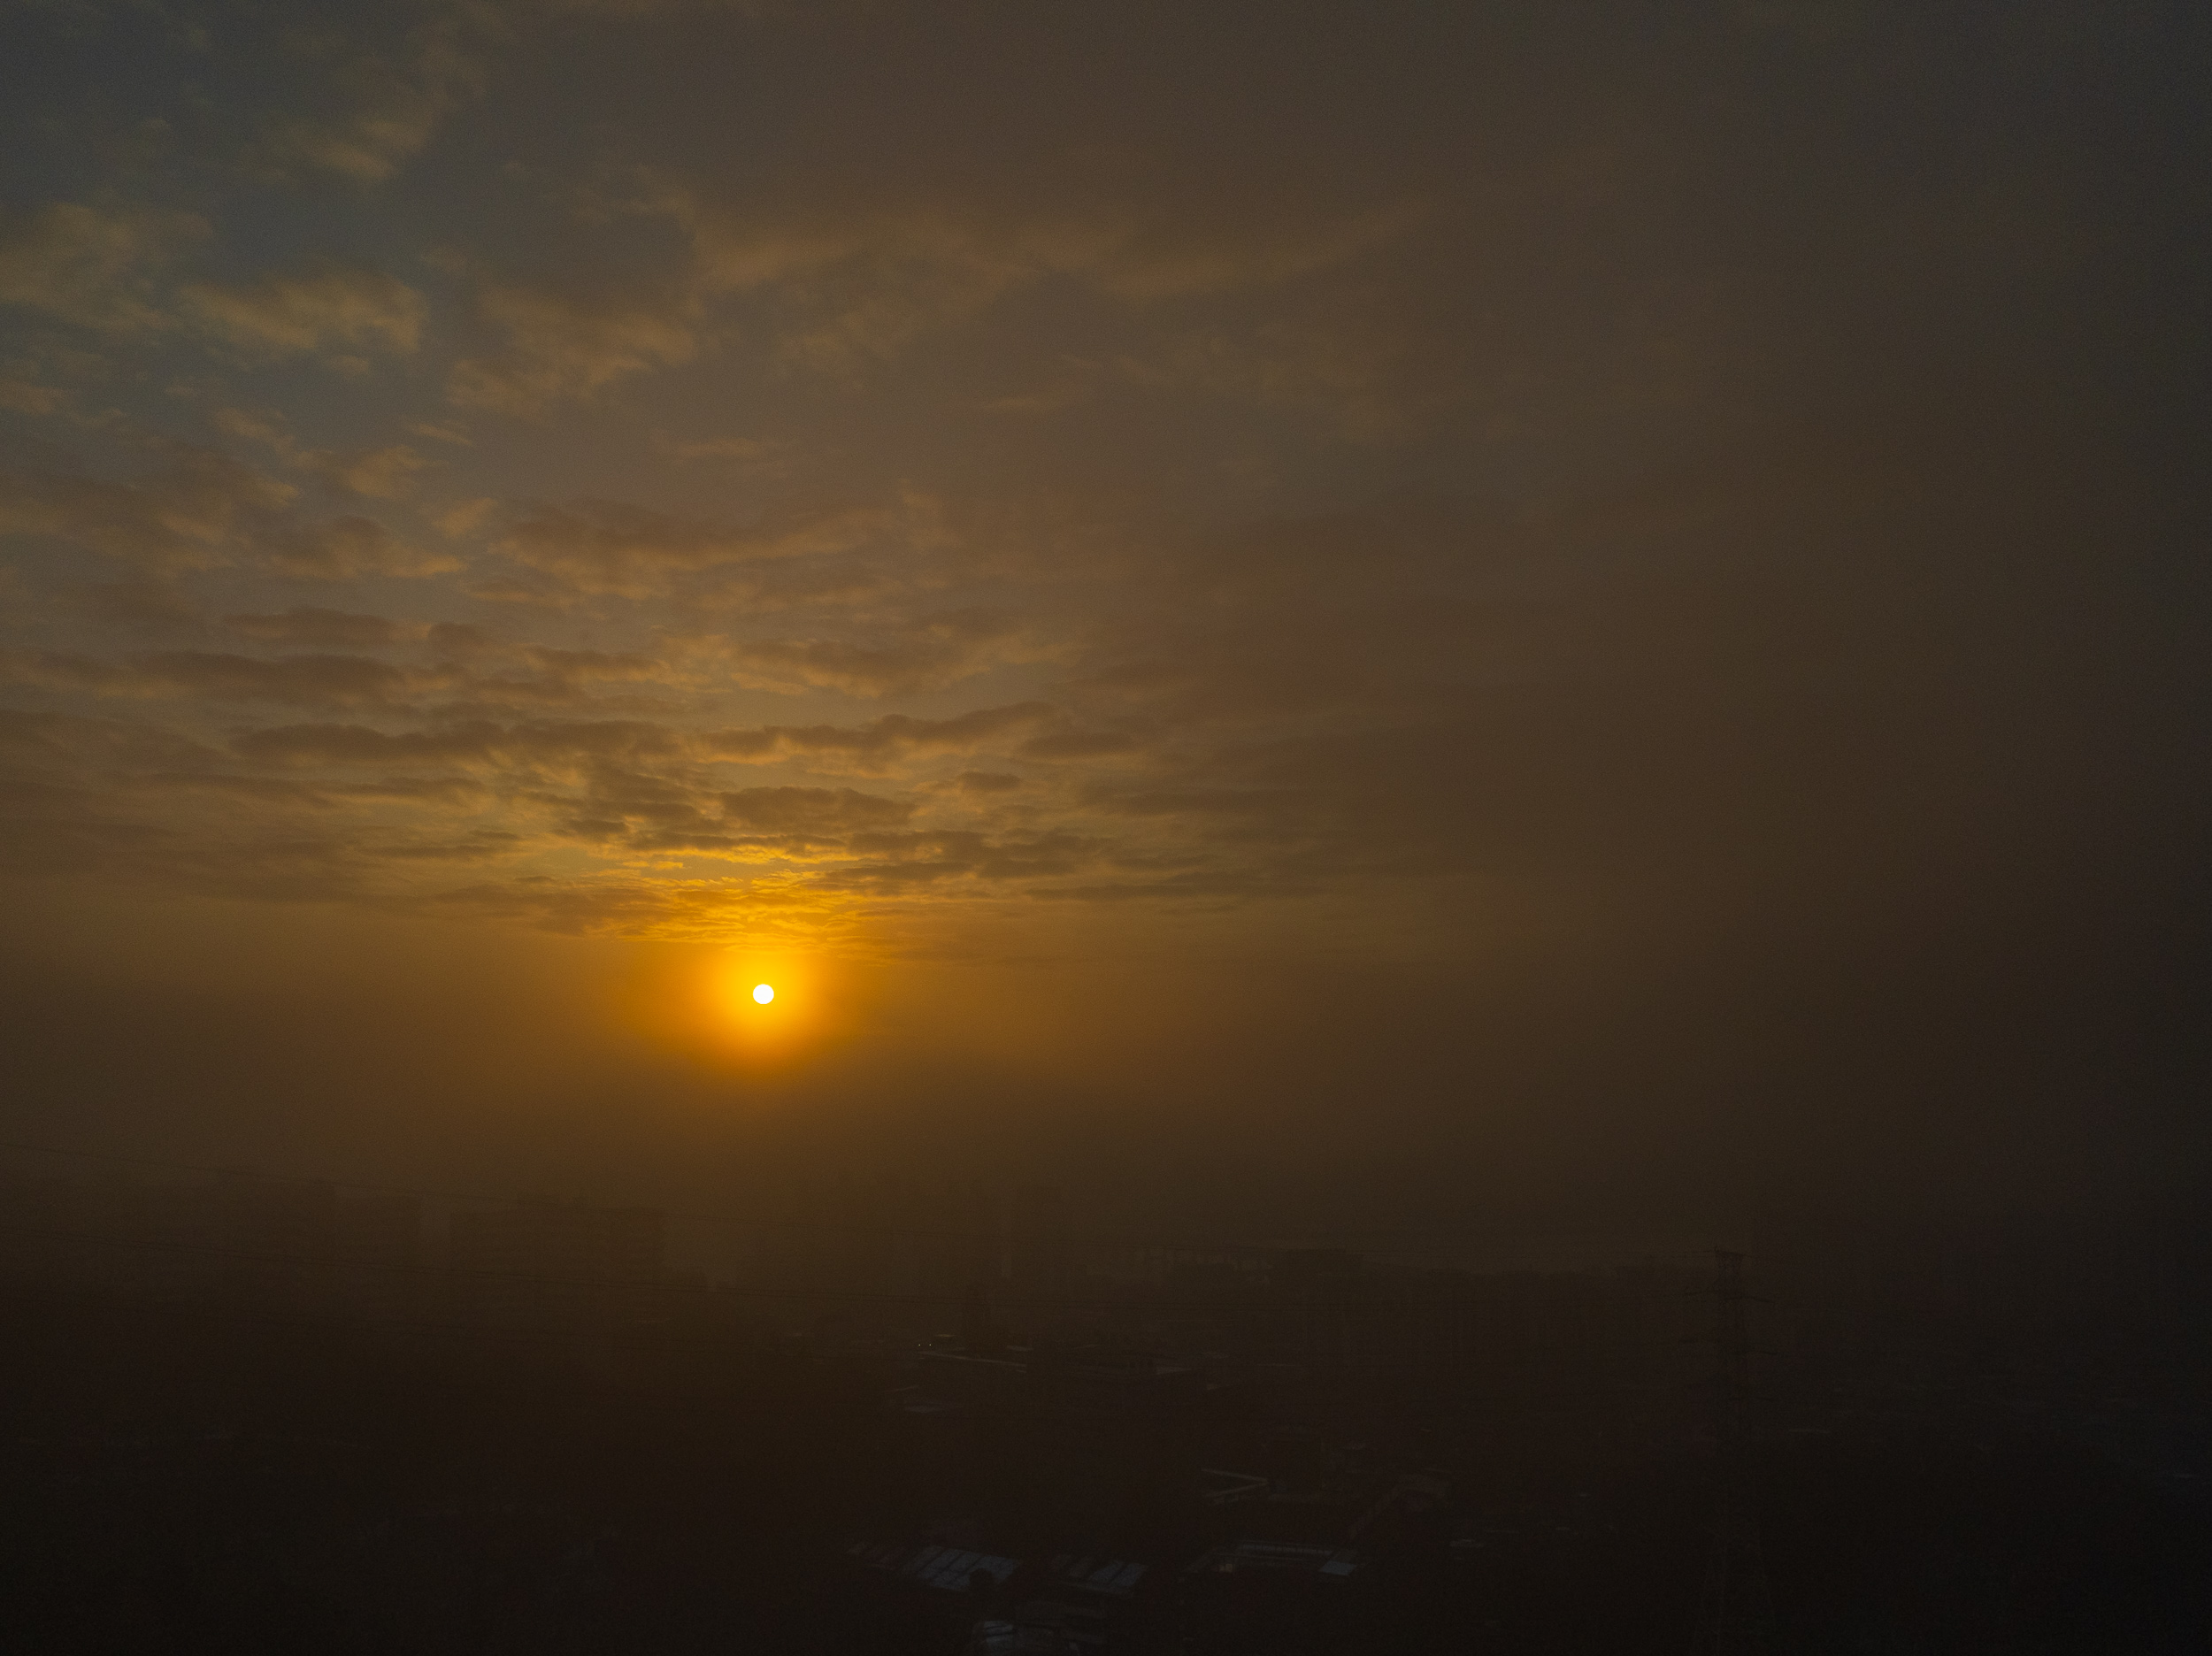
(1561,616)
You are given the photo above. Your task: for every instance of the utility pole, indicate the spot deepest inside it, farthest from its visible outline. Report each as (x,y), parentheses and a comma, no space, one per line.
(1738,1611)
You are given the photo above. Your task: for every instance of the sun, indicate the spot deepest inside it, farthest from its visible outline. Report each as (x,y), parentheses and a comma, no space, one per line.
(763,1005)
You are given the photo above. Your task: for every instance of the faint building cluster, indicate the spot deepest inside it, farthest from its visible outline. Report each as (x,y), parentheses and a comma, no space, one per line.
(290,1247)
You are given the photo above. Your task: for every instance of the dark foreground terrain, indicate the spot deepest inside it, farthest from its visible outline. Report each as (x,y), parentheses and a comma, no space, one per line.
(191,1479)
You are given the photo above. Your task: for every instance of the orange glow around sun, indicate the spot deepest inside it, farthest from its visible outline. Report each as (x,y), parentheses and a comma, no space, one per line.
(751,1009)
(746,1007)
(756,1007)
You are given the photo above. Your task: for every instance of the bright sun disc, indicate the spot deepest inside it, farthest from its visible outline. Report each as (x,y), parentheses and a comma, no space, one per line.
(762,994)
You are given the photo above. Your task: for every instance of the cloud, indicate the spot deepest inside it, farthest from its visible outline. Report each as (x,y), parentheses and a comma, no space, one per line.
(810,811)
(458,638)
(626,811)
(757,458)
(1079,744)
(317,629)
(605,547)
(828,582)
(194,514)
(900,861)
(1181,261)
(465,518)
(261,428)
(560,347)
(567,746)
(457,792)
(25,396)
(1362,372)
(377,474)
(634,791)
(140,806)
(245,789)
(93,268)
(205,510)
(472,743)
(866,281)
(858,283)
(389,103)
(927,653)
(328,306)
(560,677)
(292,680)
(62,740)
(880,741)
(344,548)
(139,607)
(686,910)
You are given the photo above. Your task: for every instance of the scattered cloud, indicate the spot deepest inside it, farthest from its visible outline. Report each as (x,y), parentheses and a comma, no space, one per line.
(347,548)
(880,742)
(383,106)
(566,745)
(314,628)
(811,811)
(563,747)
(329,306)
(1080,744)
(293,680)
(554,678)
(25,396)
(865,284)
(851,287)
(928,653)
(91,267)
(761,458)
(377,474)
(560,347)
(465,518)
(610,548)
(139,607)
(198,512)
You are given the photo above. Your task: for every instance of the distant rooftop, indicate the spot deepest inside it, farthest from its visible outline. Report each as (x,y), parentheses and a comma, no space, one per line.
(1118,1577)
(949,1569)
(1333,1563)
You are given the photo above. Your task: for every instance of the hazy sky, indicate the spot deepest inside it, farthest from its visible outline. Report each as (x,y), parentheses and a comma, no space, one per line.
(1601,608)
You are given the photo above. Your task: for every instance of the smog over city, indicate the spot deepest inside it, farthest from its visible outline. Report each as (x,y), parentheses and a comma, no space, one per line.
(834,825)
